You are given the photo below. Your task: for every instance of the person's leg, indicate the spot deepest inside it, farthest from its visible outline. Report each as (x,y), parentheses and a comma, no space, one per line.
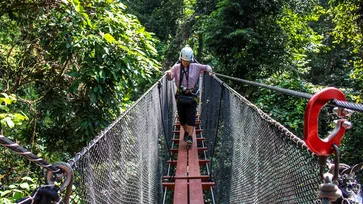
(182,112)
(191,116)
(185,127)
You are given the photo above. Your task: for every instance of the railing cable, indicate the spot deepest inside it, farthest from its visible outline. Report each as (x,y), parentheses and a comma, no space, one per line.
(5,142)
(163,122)
(343,104)
(215,138)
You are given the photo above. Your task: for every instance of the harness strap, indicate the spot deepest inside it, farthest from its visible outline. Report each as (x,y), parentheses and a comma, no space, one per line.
(182,72)
(186,72)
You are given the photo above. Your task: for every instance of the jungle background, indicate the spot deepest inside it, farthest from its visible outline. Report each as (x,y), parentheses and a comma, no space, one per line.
(68,68)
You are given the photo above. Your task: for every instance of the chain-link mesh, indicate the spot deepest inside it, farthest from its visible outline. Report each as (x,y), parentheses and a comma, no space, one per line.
(124,164)
(254,158)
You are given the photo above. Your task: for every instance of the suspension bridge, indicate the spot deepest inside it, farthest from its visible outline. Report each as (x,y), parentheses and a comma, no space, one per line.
(241,155)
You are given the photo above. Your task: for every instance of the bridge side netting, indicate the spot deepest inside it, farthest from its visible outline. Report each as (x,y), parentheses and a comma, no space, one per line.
(125,163)
(255,159)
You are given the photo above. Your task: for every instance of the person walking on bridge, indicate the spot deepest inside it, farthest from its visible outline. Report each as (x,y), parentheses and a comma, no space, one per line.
(186,76)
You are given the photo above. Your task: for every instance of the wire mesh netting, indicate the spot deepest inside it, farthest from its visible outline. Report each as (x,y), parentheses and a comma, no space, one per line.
(255,159)
(125,163)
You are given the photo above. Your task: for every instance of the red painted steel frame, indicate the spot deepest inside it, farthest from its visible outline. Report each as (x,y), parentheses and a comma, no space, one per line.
(321,147)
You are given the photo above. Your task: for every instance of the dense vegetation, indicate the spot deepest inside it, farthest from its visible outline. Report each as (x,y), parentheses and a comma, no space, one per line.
(68,68)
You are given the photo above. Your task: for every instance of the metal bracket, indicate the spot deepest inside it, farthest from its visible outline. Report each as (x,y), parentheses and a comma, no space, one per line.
(323,147)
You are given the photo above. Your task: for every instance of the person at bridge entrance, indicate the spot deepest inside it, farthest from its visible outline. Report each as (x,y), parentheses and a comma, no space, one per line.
(186,74)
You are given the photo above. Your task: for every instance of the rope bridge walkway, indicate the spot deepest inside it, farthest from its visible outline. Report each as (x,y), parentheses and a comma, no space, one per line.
(241,155)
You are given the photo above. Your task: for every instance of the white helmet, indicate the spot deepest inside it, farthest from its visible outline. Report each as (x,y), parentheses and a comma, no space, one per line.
(186,54)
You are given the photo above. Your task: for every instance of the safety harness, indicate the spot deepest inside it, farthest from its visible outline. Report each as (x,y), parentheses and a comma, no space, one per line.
(193,92)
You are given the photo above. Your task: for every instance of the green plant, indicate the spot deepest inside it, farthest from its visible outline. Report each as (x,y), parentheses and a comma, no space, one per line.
(16,191)
(8,119)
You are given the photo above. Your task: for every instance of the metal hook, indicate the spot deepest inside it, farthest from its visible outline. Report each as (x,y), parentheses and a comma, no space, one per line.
(323,160)
(66,172)
(323,147)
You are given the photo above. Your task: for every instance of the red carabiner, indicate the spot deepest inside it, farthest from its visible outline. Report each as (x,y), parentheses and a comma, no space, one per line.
(322,147)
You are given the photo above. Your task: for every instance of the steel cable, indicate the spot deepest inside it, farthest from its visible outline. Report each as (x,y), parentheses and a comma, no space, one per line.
(343,104)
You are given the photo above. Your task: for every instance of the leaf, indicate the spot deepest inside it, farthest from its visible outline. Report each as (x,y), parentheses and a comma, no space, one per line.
(19,117)
(3,193)
(87,20)
(6,109)
(93,97)
(18,195)
(5,95)
(27,178)
(12,186)
(9,122)
(109,38)
(2,116)
(25,186)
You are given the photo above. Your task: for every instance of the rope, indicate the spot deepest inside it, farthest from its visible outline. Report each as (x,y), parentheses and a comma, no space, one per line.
(49,194)
(343,104)
(5,142)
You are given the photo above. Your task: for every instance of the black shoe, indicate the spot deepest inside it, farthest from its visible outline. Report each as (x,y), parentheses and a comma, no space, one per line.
(185,136)
(190,140)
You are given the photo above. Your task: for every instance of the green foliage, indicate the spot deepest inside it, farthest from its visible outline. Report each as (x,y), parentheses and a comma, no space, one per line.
(8,119)
(16,191)
(301,38)
(77,64)
(287,110)
(245,38)
(352,141)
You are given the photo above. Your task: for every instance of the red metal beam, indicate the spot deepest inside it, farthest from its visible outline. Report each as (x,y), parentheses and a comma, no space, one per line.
(198,139)
(205,185)
(197,122)
(201,162)
(205,178)
(200,149)
(178,131)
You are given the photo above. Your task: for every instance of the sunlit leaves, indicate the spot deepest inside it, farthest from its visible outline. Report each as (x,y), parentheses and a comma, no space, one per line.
(7,118)
(301,38)
(109,38)
(80,61)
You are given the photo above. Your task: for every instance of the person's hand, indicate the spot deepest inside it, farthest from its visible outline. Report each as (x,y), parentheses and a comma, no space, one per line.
(168,75)
(212,74)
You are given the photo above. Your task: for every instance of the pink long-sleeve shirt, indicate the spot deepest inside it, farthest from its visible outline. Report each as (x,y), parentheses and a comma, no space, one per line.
(194,72)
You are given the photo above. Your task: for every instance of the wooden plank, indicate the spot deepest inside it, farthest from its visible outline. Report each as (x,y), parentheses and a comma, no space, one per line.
(195,191)
(181,185)
(198,139)
(195,185)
